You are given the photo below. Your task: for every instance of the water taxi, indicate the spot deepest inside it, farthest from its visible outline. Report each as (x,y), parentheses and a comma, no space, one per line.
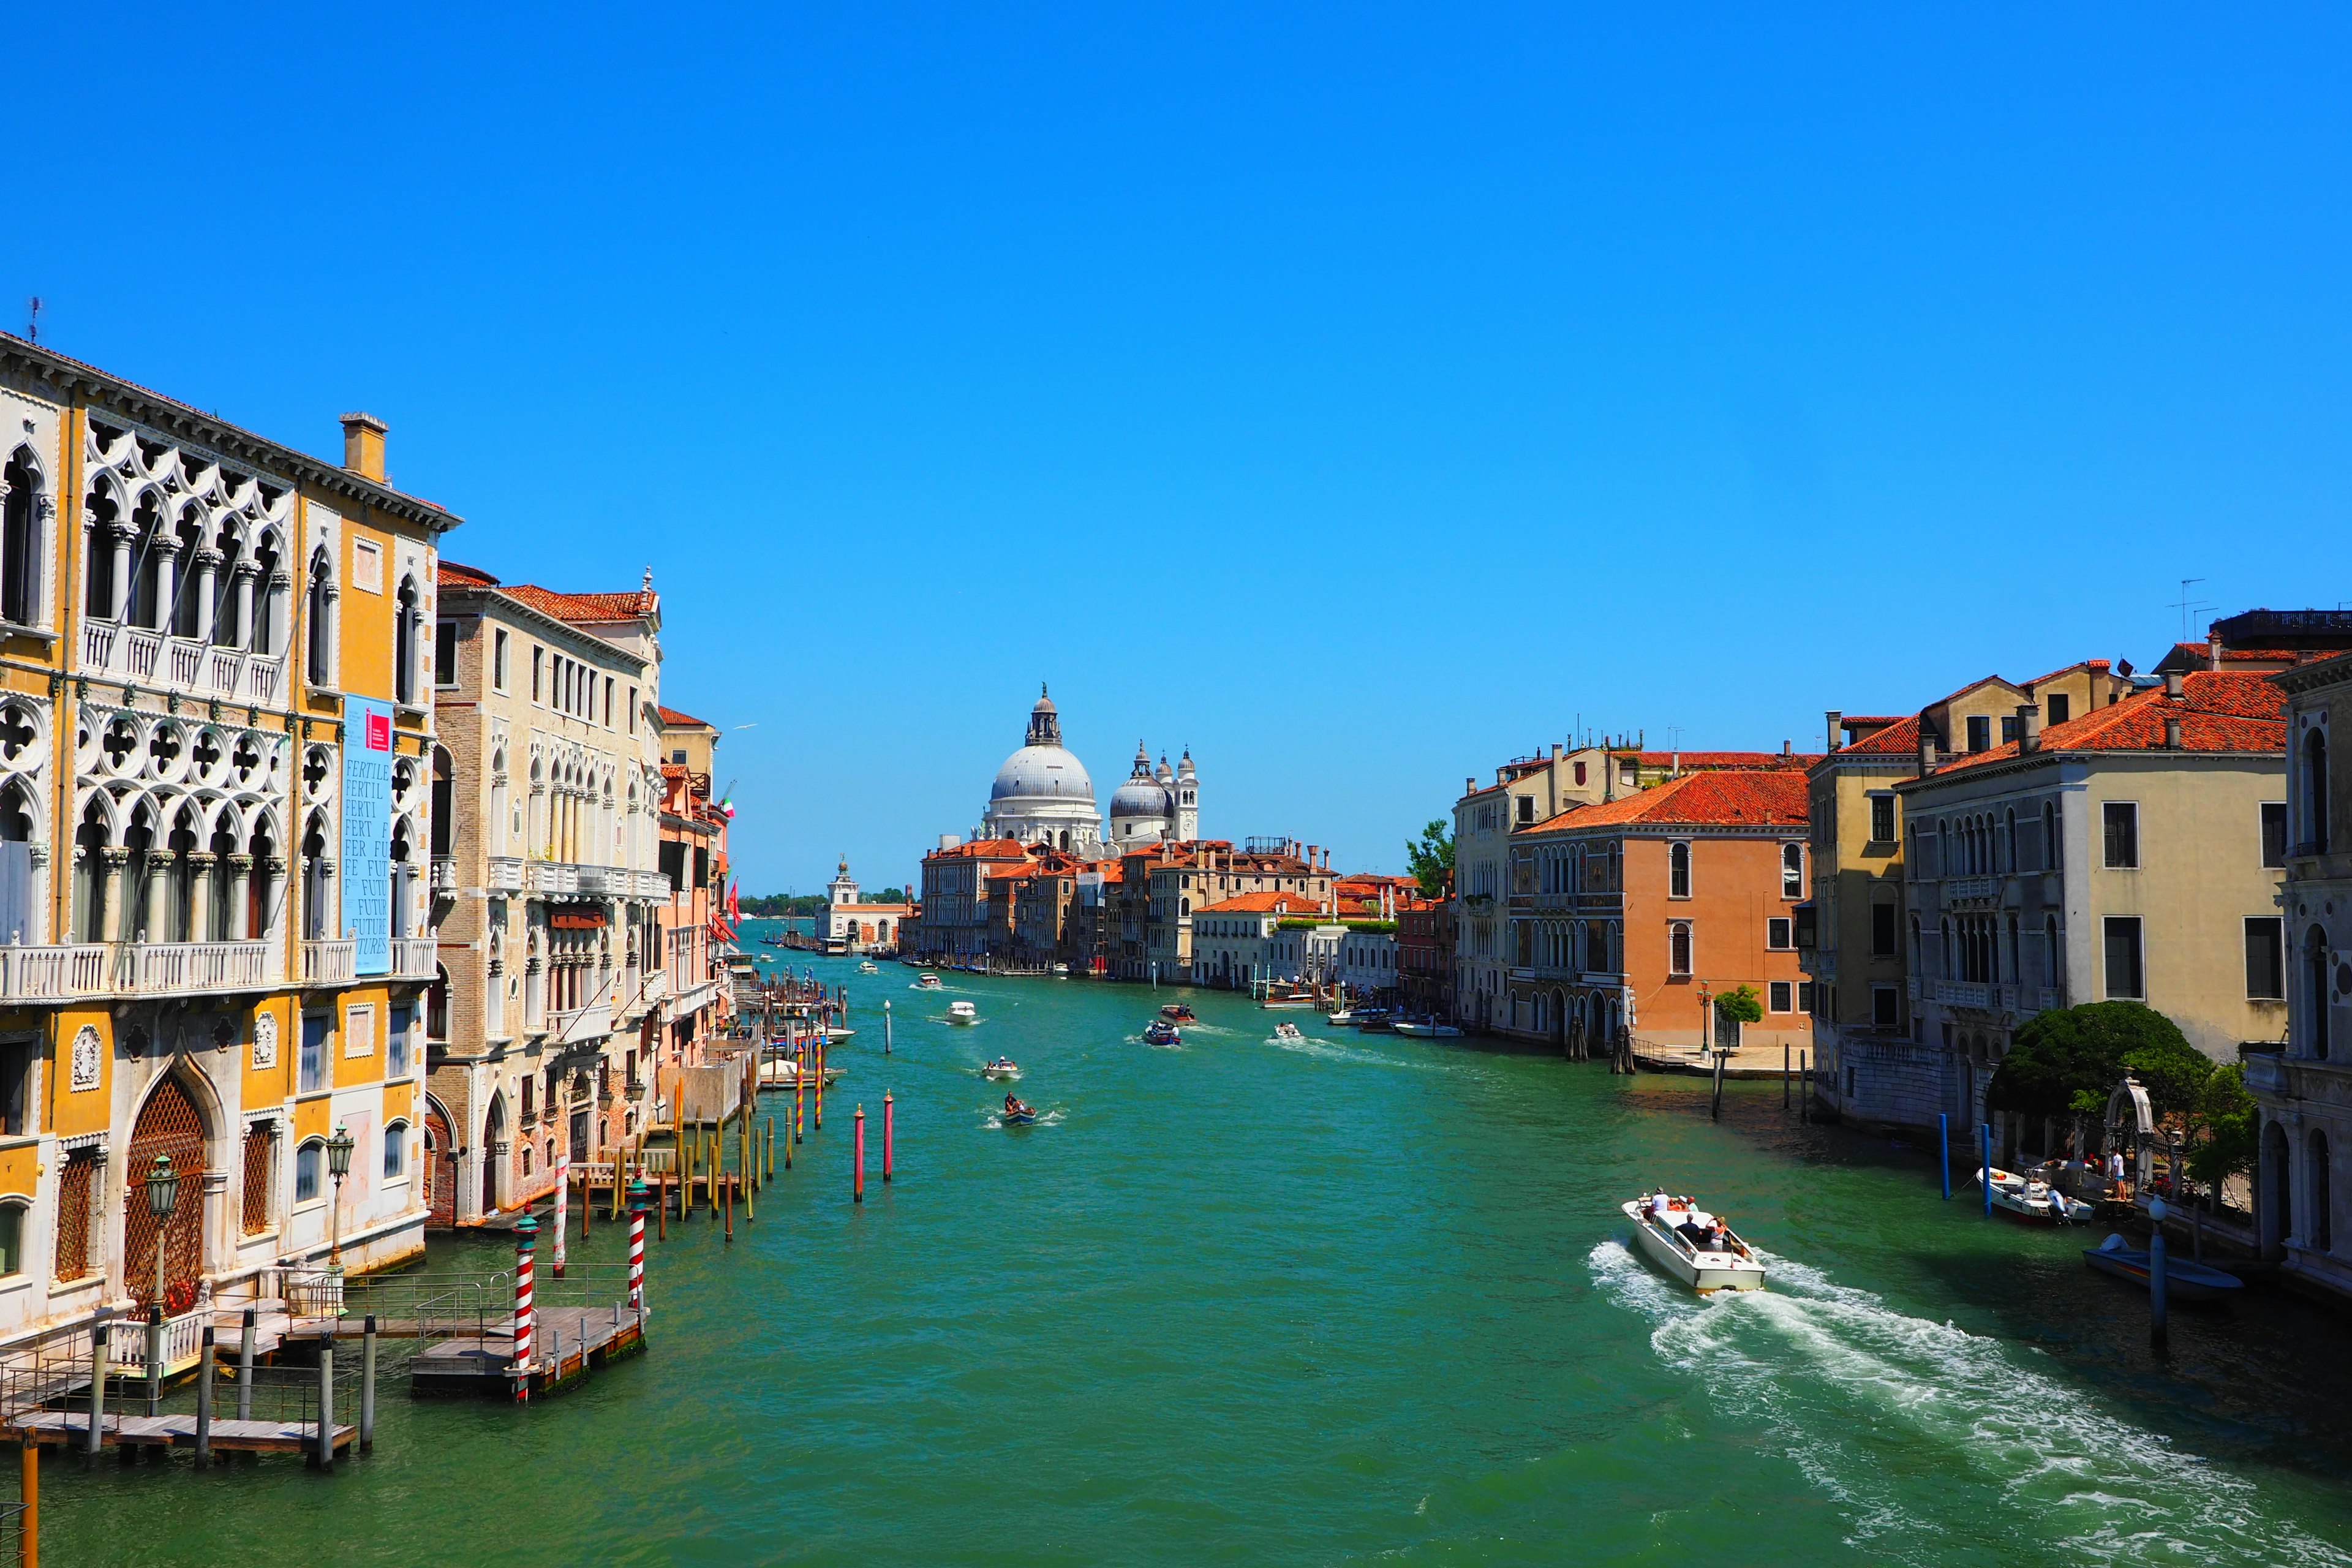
(867,966)
(1288,1032)
(927,981)
(1426,1029)
(963,1013)
(1342,1019)
(1706,1268)
(1178,1012)
(1159,1032)
(2027,1198)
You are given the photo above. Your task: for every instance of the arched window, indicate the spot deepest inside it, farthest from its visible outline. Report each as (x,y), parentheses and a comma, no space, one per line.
(1792,870)
(406,618)
(12,1238)
(310,1164)
(316,926)
(2008,823)
(2323,1217)
(20,540)
(2314,793)
(264,633)
(151,575)
(318,660)
(2050,859)
(2052,969)
(395,1152)
(1678,870)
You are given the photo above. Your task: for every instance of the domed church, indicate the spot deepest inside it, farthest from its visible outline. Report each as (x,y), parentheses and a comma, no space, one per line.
(1042,796)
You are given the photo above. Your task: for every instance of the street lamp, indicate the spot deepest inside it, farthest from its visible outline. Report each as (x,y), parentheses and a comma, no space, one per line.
(338,1166)
(162,1197)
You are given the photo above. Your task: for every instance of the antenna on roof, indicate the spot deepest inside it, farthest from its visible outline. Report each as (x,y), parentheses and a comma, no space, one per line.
(2186,606)
(33,320)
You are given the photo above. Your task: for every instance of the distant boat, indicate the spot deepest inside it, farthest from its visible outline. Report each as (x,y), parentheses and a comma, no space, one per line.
(1062,971)
(2188,1280)
(867,966)
(963,1013)
(1159,1032)
(1288,1031)
(1426,1029)
(1178,1012)
(1003,1066)
(927,981)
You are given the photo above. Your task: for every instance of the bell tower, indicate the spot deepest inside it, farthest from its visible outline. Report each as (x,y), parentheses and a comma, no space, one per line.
(1188,800)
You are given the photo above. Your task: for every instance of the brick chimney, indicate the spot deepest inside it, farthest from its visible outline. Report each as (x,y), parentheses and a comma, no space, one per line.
(363,446)
(2029,726)
(1926,752)
(1837,729)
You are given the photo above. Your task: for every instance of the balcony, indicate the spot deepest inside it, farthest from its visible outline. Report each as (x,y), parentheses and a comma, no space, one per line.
(505,874)
(182,664)
(576,1026)
(175,968)
(443,873)
(694,998)
(416,958)
(1972,890)
(330,963)
(54,973)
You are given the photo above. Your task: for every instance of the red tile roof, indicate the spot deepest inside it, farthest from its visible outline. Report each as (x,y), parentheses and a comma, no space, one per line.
(1264,904)
(452,575)
(590,609)
(1899,737)
(2096,666)
(1757,797)
(980,849)
(1729,758)
(672,716)
(2219,711)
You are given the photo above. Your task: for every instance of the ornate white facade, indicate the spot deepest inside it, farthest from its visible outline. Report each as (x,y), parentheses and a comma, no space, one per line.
(1042,796)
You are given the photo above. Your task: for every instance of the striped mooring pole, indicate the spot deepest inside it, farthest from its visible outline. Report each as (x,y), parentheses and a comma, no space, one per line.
(526,1234)
(637,1245)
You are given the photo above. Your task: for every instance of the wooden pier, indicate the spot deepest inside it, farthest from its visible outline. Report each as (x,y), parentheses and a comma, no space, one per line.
(70,1429)
(576,1340)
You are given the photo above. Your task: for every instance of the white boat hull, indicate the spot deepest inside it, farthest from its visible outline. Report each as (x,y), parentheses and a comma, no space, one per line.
(1704,1272)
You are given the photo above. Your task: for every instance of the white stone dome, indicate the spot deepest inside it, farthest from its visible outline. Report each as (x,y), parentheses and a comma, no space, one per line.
(1140,797)
(1042,772)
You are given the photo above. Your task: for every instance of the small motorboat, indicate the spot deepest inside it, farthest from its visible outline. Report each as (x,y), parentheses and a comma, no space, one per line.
(1425,1029)
(1062,971)
(1003,1066)
(2027,1198)
(1161,1031)
(2188,1280)
(1018,1113)
(1178,1012)
(1343,1018)
(1706,1269)
(784,1072)
(867,966)
(927,981)
(963,1013)
(1288,1032)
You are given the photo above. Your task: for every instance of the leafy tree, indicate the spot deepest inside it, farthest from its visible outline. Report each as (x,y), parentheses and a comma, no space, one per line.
(2065,1062)
(1741,1007)
(2226,1113)
(1431,861)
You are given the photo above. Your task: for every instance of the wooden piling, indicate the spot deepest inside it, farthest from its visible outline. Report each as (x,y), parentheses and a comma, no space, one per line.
(205,1371)
(771,1149)
(661,1207)
(244,1367)
(367,1385)
(730,1204)
(325,1453)
(97,1386)
(28,1551)
(1785,1082)
(1804,1100)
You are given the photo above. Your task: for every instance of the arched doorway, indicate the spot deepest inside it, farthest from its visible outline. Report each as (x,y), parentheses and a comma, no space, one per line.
(169,1123)
(494,1136)
(440,1167)
(2278,1184)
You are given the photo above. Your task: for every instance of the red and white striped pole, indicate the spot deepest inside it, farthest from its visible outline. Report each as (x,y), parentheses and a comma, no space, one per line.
(637,1246)
(562,1205)
(526,1237)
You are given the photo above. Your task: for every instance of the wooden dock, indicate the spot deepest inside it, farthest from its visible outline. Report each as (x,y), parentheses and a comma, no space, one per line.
(70,1429)
(570,1341)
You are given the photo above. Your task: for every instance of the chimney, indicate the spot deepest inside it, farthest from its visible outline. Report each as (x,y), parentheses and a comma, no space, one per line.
(1788,748)
(1470,785)
(363,446)
(1554,751)
(1836,728)
(1926,752)
(2029,726)
(2172,732)
(2213,646)
(2172,687)
(1310,855)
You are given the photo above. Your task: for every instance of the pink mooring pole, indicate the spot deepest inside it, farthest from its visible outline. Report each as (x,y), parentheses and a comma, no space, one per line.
(858,1177)
(526,1234)
(637,1246)
(889,1134)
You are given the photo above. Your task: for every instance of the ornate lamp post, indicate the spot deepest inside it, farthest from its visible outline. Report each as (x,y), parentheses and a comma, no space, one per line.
(338,1166)
(162,1197)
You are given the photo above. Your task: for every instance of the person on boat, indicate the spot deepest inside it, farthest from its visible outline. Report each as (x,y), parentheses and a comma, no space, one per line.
(1659,1205)
(1718,1236)
(1013,1105)
(1690,1230)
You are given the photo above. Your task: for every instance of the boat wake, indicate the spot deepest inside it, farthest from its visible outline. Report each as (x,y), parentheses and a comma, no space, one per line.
(1892,1416)
(994,1119)
(1331,1050)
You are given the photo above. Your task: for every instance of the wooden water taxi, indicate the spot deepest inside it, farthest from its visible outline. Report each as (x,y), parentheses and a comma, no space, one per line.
(1706,1269)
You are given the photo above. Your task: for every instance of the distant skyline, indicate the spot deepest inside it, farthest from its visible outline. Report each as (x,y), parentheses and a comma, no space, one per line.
(1357,396)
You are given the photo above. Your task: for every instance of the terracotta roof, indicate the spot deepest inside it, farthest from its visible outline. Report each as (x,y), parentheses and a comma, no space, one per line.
(452,575)
(1899,737)
(2219,711)
(2097,667)
(1845,719)
(1755,797)
(1729,758)
(1264,904)
(873,909)
(672,716)
(587,609)
(978,849)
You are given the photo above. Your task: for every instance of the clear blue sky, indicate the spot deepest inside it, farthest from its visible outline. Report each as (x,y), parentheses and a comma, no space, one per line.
(1356,394)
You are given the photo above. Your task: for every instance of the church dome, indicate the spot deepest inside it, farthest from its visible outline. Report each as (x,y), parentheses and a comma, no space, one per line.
(1042,772)
(1140,797)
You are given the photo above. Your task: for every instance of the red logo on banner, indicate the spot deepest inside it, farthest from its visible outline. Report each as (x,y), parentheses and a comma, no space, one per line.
(379,735)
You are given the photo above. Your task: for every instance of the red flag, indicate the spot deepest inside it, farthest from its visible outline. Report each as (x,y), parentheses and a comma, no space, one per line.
(734,909)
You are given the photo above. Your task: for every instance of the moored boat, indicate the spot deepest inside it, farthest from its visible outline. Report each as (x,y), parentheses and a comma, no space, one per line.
(1425,1029)
(1706,1268)
(2184,1277)
(2026,1198)
(784,1072)
(1159,1032)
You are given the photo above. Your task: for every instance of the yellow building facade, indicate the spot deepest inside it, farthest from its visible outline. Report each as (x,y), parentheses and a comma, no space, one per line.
(215,734)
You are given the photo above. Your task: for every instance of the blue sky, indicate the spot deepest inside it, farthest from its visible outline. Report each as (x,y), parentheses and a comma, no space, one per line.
(1360,395)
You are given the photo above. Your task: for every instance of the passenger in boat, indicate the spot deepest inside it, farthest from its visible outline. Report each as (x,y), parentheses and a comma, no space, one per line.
(1692,1231)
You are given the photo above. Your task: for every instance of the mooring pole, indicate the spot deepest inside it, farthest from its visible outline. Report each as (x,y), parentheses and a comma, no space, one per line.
(1944,1149)
(244,1367)
(326,1453)
(637,1247)
(857,1178)
(889,1134)
(1804,1100)
(886,1029)
(526,1231)
(1984,1173)
(204,1400)
(28,1553)
(2158,1283)
(1785,1049)
(97,1386)
(367,1387)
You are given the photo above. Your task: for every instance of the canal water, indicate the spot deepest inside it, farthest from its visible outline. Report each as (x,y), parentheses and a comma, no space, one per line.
(1360,1298)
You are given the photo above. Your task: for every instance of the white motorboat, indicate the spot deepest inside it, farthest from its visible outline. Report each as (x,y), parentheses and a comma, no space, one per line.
(963,1013)
(1288,1031)
(927,981)
(1003,1066)
(1705,1269)
(867,966)
(1342,1018)
(783,1072)
(1426,1029)
(2028,1198)
(1062,971)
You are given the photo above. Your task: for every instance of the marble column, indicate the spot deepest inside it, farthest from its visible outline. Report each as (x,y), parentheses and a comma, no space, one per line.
(241,626)
(115,860)
(167,558)
(202,868)
(208,565)
(119,537)
(240,895)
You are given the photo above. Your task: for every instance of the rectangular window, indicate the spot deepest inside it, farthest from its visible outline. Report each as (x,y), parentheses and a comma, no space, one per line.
(1679,948)
(312,1072)
(445,654)
(1883,919)
(1980,734)
(2122,819)
(1779,999)
(632,710)
(1882,819)
(2273,833)
(1804,996)
(1885,1007)
(2009,730)
(17,1058)
(1527,809)
(2124,958)
(2265,958)
(1777,936)
(608,703)
(498,660)
(396,1042)
(538,668)
(2053,708)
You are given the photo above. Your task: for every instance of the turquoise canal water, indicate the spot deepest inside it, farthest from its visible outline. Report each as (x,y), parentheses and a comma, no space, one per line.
(1360,1298)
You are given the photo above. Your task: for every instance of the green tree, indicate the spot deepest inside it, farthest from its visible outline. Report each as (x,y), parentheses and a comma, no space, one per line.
(1741,1007)
(2065,1062)
(2225,1113)
(1431,861)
